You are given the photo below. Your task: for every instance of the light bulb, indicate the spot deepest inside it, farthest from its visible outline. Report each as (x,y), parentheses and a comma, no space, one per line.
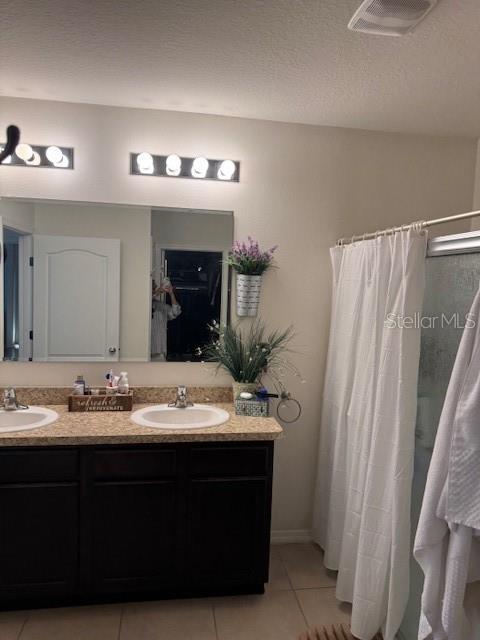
(173,165)
(64,162)
(226,170)
(34,160)
(8,159)
(145,162)
(199,167)
(54,155)
(24,151)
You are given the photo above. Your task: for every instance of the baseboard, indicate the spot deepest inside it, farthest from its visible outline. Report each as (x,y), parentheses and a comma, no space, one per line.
(284,536)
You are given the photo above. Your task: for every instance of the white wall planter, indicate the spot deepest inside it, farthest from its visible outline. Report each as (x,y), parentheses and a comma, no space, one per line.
(248,294)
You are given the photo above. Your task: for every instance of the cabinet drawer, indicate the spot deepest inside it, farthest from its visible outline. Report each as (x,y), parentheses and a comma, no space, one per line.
(133,463)
(38,466)
(230,461)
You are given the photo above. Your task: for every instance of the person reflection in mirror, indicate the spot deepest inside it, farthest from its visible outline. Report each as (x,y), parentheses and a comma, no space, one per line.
(162,313)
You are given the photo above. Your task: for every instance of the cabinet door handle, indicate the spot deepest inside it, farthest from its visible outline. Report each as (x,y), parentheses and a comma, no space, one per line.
(112,350)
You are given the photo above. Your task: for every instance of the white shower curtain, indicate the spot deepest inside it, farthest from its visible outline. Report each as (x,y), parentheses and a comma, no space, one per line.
(362,505)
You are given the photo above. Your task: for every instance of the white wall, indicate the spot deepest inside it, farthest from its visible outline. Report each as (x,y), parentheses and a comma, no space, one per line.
(18,215)
(301,188)
(476,190)
(192,229)
(476,194)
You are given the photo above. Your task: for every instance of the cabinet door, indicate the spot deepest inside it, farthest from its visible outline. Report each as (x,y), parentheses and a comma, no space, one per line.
(38,540)
(133,535)
(228,530)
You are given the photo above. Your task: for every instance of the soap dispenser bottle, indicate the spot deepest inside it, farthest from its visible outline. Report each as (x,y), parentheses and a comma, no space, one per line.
(123,386)
(79,386)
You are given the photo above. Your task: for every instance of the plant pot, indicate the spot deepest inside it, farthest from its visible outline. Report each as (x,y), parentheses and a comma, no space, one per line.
(239,387)
(248,294)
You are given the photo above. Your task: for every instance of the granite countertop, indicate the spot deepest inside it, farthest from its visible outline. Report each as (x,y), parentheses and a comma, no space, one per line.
(117,428)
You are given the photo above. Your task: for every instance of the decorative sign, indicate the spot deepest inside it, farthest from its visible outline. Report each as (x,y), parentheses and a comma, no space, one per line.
(101,402)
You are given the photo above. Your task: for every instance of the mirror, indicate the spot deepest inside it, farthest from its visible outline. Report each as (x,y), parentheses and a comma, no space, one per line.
(96,282)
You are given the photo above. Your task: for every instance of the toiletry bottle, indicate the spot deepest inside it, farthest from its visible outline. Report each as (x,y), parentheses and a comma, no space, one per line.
(79,386)
(123,386)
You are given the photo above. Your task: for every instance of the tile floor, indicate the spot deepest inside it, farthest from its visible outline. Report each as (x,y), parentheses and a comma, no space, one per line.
(300,594)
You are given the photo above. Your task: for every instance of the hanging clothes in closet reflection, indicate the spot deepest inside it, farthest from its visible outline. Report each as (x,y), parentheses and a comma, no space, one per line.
(162,313)
(179,331)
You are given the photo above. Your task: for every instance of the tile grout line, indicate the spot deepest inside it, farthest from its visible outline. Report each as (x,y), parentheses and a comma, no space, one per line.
(330,586)
(286,570)
(120,622)
(325,586)
(301,588)
(301,609)
(215,621)
(293,590)
(23,625)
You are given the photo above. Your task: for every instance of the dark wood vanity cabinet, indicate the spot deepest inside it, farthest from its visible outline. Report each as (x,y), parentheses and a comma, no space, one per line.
(91,523)
(133,516)
(39,524)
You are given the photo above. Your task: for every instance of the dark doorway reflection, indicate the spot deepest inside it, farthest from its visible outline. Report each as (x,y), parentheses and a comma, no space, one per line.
(196,277)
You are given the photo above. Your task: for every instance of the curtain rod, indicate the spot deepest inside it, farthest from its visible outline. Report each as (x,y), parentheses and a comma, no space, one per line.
(422,224)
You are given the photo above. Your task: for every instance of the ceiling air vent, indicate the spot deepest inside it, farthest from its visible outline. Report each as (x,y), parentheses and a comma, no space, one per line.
(390,17)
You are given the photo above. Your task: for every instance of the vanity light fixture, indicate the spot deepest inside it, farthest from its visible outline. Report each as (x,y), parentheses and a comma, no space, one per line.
(226,170)
(8,159)
(56,156)
(26,155)
(199,167)
(24,151)
(175,166)
(145,163)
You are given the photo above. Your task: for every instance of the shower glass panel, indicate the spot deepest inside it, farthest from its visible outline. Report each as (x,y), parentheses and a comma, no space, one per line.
(451,284)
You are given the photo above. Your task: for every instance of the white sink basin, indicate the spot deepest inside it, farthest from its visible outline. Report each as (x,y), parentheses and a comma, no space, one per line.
(161,416)
(25,419)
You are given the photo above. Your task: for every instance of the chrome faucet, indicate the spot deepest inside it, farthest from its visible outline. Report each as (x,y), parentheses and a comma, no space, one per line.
(181,401)
(10,402)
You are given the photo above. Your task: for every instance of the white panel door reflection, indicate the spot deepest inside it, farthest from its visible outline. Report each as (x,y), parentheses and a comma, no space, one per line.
(76,294)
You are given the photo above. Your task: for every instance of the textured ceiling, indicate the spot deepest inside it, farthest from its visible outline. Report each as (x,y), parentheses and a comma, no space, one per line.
(288,60)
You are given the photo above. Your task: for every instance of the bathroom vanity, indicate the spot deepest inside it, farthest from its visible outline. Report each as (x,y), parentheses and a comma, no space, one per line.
(94,508)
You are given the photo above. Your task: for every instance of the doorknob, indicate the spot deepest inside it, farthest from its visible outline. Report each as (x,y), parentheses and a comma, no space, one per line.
(112,350)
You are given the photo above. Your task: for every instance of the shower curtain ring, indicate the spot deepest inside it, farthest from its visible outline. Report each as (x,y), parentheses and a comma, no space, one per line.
(417,226)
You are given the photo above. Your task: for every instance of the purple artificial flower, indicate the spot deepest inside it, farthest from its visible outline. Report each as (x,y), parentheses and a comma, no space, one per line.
(249,259)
